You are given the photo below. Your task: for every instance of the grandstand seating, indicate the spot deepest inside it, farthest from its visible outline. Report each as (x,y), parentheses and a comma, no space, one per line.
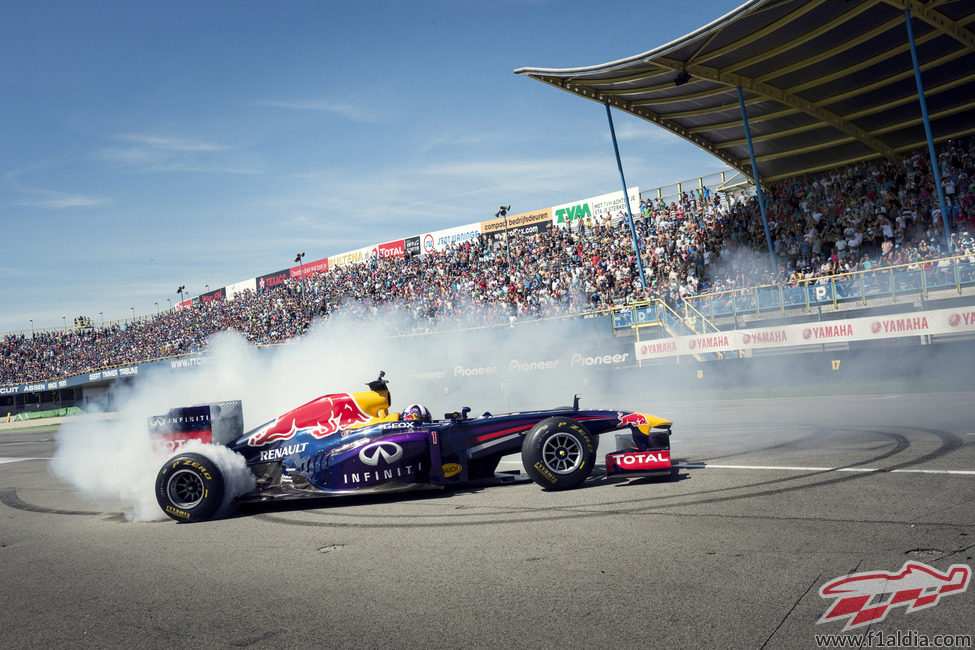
(868,231)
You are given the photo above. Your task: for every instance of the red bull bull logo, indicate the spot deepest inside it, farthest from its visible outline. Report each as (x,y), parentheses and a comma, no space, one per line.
(634,419)
(319,418)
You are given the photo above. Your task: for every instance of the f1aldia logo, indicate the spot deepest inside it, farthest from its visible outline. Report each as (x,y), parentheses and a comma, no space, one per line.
(390,452)
(865,598)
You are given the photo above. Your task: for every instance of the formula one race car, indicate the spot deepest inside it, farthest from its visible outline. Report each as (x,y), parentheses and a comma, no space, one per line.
(349,443)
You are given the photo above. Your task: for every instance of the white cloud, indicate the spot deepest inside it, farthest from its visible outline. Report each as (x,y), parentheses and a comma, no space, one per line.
(346,110)
(170,143)
(170,153)
(61,201)
(371,105)
(344,209)
(48,199)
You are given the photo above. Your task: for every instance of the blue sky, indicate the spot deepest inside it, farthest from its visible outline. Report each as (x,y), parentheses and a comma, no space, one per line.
(147,145)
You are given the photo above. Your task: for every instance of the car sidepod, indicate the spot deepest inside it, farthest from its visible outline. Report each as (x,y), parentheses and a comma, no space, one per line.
(385,457)
(394,461)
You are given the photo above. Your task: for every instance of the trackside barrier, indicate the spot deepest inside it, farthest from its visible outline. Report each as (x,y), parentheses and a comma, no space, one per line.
(51,413)
(950,321)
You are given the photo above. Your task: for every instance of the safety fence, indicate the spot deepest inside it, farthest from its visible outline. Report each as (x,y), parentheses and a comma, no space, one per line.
(888,283)
(40,415)
(727,181)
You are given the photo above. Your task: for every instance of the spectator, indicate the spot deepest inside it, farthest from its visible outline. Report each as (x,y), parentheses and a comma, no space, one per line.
(858,218)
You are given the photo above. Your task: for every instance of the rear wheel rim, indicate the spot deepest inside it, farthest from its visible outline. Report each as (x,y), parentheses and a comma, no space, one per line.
(562,453)
(185,489)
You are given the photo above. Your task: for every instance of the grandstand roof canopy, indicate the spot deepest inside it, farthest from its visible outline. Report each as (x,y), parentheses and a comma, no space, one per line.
(826,82)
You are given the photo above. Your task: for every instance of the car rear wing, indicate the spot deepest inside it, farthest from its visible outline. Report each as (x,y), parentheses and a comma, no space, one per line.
(220,423)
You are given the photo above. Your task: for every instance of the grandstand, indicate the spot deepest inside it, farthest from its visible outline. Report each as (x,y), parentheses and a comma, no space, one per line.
(871,241)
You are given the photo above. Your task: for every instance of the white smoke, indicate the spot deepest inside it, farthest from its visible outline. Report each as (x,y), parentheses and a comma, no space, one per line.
(237,478)
(114,459)
(110,460)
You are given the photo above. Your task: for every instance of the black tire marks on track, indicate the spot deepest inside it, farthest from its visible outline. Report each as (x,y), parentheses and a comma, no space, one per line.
(653,505)
(9,498)
(658,504)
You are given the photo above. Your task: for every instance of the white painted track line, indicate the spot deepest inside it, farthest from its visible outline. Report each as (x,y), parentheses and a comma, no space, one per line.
(14,460)
(787,468)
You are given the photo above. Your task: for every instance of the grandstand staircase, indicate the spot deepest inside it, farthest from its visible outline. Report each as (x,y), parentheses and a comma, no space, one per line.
(674,324)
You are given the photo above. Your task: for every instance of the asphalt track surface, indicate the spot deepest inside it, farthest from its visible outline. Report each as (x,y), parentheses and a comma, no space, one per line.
(776,498)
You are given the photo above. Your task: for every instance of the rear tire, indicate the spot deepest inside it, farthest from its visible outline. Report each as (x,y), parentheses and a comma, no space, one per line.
(558,453)
(189,487)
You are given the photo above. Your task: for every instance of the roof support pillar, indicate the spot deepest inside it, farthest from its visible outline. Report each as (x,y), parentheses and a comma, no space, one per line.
(773,269)
(626,199)
(927,130)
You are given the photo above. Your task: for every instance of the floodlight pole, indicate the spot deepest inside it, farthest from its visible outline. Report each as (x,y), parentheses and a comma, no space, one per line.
(301,286)
(626,199)
(927,129)
(758,184)
(503,212)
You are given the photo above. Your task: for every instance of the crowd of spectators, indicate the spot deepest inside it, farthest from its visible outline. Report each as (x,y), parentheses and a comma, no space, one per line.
(870,215)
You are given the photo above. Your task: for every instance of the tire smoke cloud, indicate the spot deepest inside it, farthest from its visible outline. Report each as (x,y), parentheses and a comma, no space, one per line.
(488,369)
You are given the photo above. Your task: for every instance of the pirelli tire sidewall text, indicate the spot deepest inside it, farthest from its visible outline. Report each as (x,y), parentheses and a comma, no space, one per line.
(189,487)
(558,453)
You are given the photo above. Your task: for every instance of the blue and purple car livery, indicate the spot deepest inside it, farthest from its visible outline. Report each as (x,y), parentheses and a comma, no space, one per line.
(344,443)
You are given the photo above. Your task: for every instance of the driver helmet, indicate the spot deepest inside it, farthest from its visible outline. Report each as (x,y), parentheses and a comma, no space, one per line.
(416,413)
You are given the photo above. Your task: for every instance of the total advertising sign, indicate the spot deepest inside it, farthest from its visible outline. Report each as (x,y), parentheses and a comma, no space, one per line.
(596,207)
(392,249)
(867,328)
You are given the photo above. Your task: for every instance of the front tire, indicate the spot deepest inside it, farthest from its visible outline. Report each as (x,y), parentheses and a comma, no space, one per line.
(189,487)
(558,453)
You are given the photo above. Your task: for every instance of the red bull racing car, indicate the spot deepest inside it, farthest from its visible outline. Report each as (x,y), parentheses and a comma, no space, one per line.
(345,443)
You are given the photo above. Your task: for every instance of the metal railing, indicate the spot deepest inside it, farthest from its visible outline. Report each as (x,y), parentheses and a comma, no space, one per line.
(72,329)
(728,180)
(887,283)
